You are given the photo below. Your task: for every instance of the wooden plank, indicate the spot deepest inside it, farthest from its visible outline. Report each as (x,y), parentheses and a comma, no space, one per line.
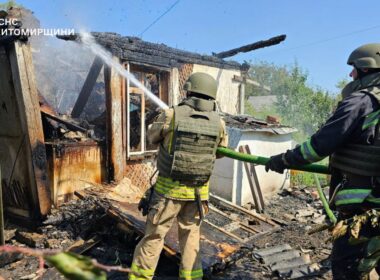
(114,98)
(27,100)
(241,209)
(256,180)
(88,85)
(243,226)
(251,183)
(224,231)
(135,90)
(69,124)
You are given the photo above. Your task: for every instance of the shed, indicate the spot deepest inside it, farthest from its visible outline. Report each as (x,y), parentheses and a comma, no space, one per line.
(230,179)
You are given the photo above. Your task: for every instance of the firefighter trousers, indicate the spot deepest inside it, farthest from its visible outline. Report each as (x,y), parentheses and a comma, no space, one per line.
(163,211)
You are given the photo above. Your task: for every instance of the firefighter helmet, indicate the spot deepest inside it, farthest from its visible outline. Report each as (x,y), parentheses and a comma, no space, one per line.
(366,56)
(201,83)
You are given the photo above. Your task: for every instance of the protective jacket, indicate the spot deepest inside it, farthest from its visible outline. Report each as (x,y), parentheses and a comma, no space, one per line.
(188,135)
(350,136)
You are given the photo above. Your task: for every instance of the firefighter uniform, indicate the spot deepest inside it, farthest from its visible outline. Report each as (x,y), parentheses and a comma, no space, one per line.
(351,137)
(188,135)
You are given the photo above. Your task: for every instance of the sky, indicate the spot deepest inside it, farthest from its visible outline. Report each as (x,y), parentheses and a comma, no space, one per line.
(320,34)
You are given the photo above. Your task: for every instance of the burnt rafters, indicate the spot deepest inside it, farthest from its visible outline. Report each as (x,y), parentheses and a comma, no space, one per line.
(88,85)
(135,49)
(254,46)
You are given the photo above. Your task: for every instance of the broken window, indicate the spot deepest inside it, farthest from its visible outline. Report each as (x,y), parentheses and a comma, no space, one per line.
(141,111)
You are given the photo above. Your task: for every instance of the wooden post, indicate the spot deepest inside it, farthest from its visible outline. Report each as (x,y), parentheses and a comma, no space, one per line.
(88,85)
(26,94)
(114,100)
(242,97)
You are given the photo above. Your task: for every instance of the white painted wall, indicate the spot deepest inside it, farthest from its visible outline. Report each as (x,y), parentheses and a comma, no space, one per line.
(229,179)
(228,90)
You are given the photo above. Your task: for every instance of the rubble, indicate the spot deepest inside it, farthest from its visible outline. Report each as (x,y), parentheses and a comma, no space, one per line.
(30,239)
(83,226)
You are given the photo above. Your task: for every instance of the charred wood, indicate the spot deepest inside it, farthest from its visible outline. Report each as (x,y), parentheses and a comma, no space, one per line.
(70,125)
(89,84)
(247,48)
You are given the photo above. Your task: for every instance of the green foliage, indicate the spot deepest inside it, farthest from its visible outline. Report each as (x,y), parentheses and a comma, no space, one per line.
(8,4)
(76,267)
(306,179)
(342,83)
(262,113)
(298,104)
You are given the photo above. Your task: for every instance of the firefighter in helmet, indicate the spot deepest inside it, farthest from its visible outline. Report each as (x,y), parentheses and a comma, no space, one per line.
(352,140)
(188,135)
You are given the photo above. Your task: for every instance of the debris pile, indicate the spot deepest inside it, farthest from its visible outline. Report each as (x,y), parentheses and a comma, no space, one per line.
(286,207)
(84,226)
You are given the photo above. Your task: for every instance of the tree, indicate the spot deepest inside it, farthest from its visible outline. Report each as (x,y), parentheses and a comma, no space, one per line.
(342,83)
(298,104)
(8,4)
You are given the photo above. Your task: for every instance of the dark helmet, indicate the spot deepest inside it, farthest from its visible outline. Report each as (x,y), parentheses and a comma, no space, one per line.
(202,83)
(366,56)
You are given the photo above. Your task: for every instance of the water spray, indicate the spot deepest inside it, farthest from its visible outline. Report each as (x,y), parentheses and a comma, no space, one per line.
(89,42)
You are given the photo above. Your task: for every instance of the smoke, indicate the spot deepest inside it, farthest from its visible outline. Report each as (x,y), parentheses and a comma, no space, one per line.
(61,68)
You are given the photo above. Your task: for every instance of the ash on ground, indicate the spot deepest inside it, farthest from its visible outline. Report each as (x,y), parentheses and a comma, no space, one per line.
(83,220)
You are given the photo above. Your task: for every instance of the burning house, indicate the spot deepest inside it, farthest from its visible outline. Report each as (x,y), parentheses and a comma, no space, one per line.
(70,123)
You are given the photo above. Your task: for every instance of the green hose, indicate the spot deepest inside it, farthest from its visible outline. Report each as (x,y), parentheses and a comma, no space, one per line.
(314,168)
(325,204)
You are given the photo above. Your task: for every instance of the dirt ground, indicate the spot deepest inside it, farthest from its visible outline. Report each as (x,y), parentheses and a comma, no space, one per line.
(82,219)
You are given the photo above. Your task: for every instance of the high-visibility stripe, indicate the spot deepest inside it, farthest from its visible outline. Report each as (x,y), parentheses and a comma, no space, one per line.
(308,152)
(140,273)
(371,119)
(191,274)
(351,196)
(373,199)
(174,189)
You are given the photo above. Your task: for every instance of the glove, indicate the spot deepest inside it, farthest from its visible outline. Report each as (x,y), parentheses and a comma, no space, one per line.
(276,163)
(144,202)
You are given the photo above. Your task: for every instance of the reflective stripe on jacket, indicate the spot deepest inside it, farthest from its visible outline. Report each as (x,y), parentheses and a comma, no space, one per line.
(175,190)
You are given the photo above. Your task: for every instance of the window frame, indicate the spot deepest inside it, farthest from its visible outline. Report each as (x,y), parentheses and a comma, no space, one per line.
(164,79)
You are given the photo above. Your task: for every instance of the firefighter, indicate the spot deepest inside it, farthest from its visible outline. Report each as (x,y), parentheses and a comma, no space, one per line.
(188,136)
(351,138)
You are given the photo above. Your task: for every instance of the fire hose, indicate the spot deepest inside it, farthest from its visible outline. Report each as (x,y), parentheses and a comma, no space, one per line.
(314,168)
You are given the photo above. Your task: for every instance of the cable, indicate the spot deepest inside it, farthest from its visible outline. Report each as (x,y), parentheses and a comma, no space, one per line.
(327,39)
(157,19)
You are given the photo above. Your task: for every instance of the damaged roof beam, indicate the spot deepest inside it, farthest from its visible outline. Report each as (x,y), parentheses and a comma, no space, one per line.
(69,125)
(247,48)
(88,85)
